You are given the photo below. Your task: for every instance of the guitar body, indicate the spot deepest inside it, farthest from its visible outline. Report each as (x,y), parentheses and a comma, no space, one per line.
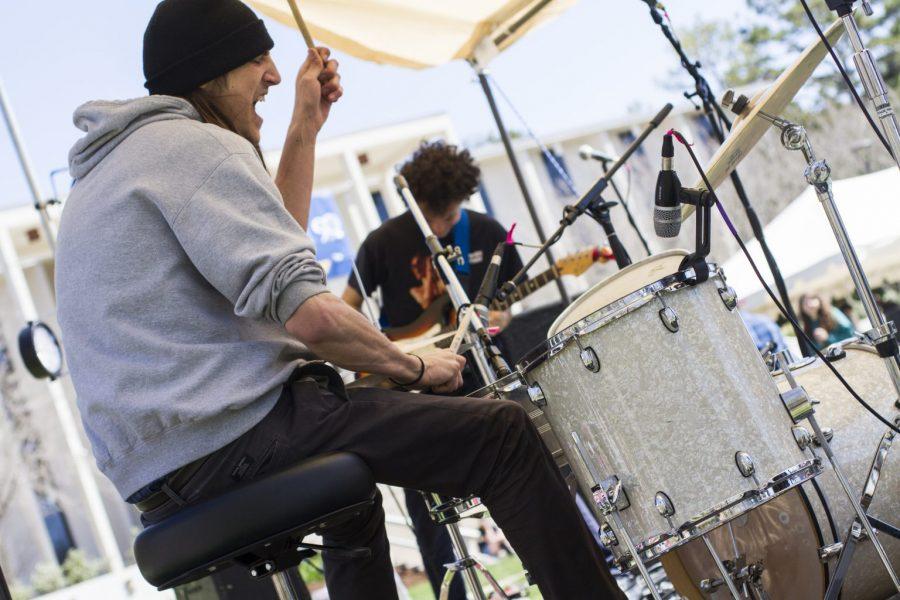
(435,319)
(440,316)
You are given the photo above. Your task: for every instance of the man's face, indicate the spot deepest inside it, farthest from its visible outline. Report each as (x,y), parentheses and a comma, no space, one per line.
(243,88)
(442,223)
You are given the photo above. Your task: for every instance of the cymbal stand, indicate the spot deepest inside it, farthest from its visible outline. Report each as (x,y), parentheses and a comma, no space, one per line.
(876,90)
(799,406)
(883,335)
(491,366)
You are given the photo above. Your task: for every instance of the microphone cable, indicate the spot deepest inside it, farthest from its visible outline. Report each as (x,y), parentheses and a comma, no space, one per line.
(840,66)
(771,294)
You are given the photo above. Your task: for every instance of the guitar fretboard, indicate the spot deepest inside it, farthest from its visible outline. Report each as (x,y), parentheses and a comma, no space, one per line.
(526,288)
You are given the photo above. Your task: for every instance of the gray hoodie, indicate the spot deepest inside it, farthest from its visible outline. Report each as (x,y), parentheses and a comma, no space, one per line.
(177,267)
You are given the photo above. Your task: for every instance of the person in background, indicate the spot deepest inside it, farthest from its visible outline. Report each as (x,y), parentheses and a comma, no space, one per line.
(765,332)
(822,322)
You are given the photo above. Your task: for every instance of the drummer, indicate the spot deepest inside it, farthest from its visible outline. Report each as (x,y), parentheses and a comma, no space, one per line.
(187,287)
(395,259)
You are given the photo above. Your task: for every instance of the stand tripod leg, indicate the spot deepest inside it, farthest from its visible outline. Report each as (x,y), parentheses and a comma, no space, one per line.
(464,563)
(846,557)
(726,576)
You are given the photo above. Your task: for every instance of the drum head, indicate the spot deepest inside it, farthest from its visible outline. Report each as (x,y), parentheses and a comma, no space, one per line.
(631,278)
(781,535)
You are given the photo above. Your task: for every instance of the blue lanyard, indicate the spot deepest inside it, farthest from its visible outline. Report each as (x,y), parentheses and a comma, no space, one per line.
(462,239)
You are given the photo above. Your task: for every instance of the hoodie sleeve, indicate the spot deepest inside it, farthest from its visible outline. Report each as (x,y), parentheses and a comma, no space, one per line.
(238,234)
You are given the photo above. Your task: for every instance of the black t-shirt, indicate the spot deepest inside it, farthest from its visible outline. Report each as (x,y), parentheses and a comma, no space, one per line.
(394,258)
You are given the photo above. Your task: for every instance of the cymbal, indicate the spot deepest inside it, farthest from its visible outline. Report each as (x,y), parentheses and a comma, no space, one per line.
(748,128)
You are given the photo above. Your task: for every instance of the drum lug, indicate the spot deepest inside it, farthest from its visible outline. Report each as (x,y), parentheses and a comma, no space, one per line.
(536,395)
(669,318)
(745,465)
(797,403)
(729,297)
(608,536)
(589,357)
(665,507)
(802,437)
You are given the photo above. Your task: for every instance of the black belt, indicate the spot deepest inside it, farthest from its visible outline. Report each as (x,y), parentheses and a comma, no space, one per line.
(172,484)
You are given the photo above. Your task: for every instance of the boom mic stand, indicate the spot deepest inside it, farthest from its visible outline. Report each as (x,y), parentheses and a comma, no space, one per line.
(592,199)
(600,213)
(715,115)
(872,81)
(491,366)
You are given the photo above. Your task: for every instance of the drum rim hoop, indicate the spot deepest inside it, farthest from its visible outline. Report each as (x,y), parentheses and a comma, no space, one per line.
(609,313)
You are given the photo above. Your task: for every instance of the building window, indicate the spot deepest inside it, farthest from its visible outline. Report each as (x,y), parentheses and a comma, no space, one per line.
(57,527)
(380,206)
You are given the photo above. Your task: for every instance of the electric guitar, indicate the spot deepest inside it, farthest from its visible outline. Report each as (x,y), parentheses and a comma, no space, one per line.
(438,315)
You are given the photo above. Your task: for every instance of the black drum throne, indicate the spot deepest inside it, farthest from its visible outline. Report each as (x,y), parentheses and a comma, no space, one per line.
(259,526)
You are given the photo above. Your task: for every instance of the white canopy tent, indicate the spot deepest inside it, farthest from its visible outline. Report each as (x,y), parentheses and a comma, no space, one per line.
(803,242)
(418,33)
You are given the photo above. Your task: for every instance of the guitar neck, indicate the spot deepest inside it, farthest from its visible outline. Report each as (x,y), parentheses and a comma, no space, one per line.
(526,288)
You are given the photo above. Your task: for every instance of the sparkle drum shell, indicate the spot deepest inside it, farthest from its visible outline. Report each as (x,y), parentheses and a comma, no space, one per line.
(665,411)
(856,436)
(783,533)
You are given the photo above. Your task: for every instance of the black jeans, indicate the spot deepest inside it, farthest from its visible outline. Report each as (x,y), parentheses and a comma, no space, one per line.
(454,446)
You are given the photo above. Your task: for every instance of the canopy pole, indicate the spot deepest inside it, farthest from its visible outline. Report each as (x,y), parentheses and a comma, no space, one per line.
(40,205)
(520,179)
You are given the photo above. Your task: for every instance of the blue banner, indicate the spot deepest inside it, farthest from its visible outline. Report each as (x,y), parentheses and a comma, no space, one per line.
(327,230)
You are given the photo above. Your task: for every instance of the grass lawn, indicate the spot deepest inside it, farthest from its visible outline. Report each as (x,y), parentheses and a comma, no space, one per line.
(508,571)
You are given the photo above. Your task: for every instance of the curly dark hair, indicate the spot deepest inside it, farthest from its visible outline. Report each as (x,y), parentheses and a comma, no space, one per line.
(440,174)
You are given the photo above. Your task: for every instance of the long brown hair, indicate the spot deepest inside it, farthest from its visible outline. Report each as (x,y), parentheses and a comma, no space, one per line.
(205,104)
(823,316)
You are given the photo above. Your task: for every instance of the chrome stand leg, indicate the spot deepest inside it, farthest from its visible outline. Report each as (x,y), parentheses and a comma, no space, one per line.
(726,576)
(857,507)
(638,561)
(284,589)
(466,565)
(737,556)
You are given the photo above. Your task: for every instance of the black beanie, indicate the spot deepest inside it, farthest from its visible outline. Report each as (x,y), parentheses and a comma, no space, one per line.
(190,42)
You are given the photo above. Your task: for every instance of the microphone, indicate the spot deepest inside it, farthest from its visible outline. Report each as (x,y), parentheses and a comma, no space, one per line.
(667,206)
(491,276)
(587,152)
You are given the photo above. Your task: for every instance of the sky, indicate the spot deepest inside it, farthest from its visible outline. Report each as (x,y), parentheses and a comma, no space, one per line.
(594,63)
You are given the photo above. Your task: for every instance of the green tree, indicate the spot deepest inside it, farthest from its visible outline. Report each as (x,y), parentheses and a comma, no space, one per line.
(733,56)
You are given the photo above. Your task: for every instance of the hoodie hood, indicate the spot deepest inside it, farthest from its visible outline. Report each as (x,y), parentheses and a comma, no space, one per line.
(107,123)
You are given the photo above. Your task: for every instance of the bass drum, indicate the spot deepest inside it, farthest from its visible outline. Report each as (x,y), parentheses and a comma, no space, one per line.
(783,535)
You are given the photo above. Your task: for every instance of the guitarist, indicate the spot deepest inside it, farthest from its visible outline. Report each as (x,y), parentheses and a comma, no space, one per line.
(394,258)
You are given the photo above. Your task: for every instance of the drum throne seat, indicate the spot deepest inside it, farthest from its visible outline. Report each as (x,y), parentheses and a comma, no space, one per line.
(259,526)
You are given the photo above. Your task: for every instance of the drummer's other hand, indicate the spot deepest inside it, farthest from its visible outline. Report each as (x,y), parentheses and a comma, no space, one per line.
(443,371)
(318,87)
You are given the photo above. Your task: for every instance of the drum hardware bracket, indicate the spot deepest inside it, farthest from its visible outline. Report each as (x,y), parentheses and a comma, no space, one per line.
(828,552)
(536,395)
(837,581)
(742,574)
(588,355)
(463,565)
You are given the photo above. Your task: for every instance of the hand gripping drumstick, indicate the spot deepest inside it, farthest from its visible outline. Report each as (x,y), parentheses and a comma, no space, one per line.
(301,25)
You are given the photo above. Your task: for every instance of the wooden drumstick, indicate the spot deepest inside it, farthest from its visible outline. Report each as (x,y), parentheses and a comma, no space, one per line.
(301,24)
